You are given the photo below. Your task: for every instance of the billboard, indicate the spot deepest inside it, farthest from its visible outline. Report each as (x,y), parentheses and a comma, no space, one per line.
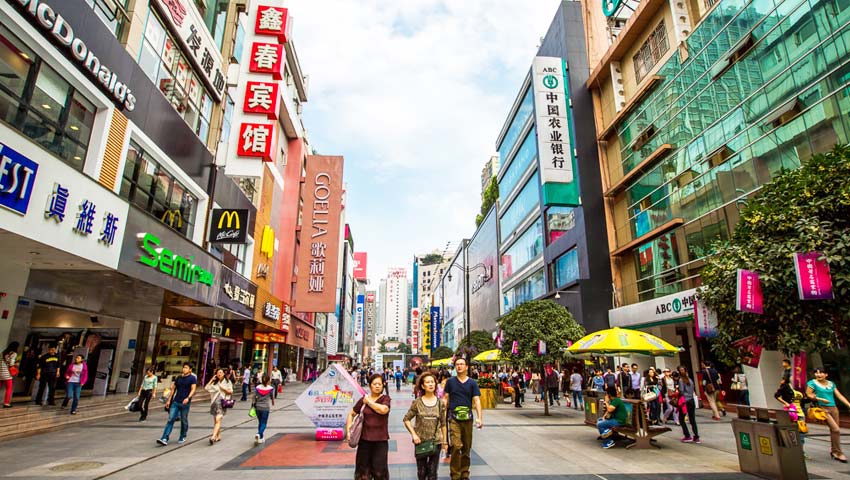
(360,260)
(358,318)
(318,255)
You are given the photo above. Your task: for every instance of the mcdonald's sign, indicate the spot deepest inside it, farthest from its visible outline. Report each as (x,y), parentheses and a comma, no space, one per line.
(229,225)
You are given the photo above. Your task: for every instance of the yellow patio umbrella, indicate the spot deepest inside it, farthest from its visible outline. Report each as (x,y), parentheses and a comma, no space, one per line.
(620,341)
(494,355)
(443,362)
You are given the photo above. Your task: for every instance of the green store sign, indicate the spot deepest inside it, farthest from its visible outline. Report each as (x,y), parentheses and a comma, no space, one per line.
(610,7)
(170,263)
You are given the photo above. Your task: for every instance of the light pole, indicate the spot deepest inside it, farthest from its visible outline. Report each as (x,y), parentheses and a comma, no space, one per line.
(488,274)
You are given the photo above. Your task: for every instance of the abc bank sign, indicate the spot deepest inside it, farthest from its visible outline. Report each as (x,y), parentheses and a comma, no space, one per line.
(666,309)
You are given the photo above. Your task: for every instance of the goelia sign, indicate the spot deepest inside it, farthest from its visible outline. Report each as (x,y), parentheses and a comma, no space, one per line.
(170,263)
(61,33)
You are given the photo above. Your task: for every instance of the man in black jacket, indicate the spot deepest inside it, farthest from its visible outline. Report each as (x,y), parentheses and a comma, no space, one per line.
(46,374)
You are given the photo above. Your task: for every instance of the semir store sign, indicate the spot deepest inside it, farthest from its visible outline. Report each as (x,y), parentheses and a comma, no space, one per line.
(62,34)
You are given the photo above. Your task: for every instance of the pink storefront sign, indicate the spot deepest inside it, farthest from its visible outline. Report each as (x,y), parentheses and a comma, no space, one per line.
(749,297)
(814,281)
(329,434)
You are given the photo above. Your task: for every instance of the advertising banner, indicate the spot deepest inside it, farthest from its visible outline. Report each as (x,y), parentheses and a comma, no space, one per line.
(358,318)
(414,329)
(329,399)
(360,262)
(229,225)
(237,293)
(798,363)
(813,279)
(705,320)
(750,351)
(435,328)
(749,297)
(318,255)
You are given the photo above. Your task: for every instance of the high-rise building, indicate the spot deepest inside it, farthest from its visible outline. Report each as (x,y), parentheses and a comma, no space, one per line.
(395,305)
(552,244)
(699,104)
(490,170)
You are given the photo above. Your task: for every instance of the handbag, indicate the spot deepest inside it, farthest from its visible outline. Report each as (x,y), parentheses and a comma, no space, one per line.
(356,429)
(649,396)
(13,371)
(429,447)
(802,426)
(252,412)
(816,414)
(227,403)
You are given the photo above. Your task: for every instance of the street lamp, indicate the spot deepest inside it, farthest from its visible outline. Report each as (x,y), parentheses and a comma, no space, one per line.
(485,277)
(559,292)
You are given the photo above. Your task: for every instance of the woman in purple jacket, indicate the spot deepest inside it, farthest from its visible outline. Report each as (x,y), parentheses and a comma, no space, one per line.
(76,376)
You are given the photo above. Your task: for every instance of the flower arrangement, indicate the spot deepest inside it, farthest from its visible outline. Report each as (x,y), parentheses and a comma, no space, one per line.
(486,382)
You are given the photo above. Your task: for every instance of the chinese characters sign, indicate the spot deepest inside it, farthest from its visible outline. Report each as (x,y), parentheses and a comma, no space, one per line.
(749,296)
(358,318)
(360,259)
(318,256)
(237,293)
(435,327)
(554,135)
(267,58)
(261,98)
(329,399)
(273,21)
(705,320)
(86,217)
(188,26)
(257,140)
(271,312)
(813,279)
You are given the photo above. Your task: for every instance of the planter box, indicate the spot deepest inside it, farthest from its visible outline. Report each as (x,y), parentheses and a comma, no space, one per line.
(488,398)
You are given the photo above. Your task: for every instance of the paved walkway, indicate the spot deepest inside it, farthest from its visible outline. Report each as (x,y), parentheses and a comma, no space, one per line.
(514,444)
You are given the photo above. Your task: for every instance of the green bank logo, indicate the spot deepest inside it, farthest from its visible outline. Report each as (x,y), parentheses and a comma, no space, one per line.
(677,305)
(550,81)
(171,263)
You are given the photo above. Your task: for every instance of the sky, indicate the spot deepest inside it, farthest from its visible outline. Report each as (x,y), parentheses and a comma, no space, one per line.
(413,93)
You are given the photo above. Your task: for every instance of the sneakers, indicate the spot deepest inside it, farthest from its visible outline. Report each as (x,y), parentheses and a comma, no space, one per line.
(262,440)
(607,433)
(181,441)
(608,444)
(687,440)
(162,441)
(697,440)
(256,439)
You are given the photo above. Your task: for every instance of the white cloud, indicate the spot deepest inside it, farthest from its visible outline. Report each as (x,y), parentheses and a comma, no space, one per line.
(414,94)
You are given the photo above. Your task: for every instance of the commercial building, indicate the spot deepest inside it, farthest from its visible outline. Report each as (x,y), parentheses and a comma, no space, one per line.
(550,198)
(450,328)
(491,168)
(394,305)
(699,104)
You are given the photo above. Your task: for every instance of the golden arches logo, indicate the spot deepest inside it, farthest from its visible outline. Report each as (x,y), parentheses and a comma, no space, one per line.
(172,216)
(231,216)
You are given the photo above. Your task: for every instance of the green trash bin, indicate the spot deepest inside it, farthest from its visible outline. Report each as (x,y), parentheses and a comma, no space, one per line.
(591,406)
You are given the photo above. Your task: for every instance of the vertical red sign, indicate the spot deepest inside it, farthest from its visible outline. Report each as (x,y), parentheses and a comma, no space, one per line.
(360,259)
(273,21)
(267,58)
(262,98)
(257,140)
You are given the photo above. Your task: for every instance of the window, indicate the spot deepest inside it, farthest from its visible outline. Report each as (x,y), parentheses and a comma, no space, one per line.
(523,113)
(528,247)
(150,187)
(650,52)
(234,255)
(566,269)
(171,72)
(529,288)
(560,220)
(38,102)
(522,205)
(111,13)
(519,165)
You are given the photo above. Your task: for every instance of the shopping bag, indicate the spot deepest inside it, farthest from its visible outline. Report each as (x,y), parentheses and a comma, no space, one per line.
(133,406)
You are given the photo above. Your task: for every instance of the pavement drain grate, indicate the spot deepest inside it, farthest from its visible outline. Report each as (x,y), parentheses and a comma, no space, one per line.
(77,466)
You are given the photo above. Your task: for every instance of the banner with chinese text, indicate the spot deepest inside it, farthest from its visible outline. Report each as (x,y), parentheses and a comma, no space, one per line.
(814,281)
(749,297)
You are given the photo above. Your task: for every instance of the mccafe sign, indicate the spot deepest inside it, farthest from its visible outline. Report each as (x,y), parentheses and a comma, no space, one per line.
(62,34)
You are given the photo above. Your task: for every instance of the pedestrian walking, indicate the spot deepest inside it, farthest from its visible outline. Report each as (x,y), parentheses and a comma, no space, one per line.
(429,432)
(220,390)
(711,385)
(740,385)
(464,396)
(598,381)
(8,371)
(610,379)
(263,403)
(178,404)
(146,392)
(373,448)
(535,386)
(277,381)
(575,389)
(76,375)
(552,381)
(824,392)
(687,406)
(790,400)
(246,382)
(624,381)
(651,385)
(670,395)
(46,374)
(399,376)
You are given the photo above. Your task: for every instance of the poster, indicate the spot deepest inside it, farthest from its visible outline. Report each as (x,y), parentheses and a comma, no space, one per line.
(329,399)
(750,351)
(705,320)
(749,296)
(813,279)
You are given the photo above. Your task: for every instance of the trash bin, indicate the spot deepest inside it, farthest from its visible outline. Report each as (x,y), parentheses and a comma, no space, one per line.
(591,406)
(769,448)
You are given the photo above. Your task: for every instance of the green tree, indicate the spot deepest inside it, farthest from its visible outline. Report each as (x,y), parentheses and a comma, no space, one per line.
(403,348)
(441,352)
(382,346)
(802,210)
(430,259)
(539,320)
(488,198)
(481,341)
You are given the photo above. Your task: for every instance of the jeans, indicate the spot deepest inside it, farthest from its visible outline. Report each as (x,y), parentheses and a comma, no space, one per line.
(47,381)
(744,397)
(263,419)
(691,407)
(578,400)
(72,393)
(670,409)
(553,396)
(275,384)
(603,424)
(175,410)
(397,384)
(244,392)
(144,403)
